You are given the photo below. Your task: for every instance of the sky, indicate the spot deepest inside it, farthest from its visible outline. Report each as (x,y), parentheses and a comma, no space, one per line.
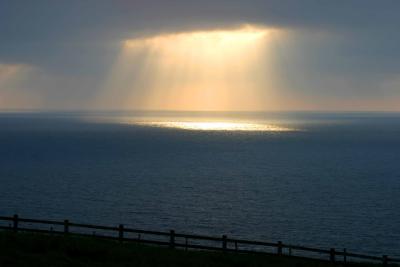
(200,55)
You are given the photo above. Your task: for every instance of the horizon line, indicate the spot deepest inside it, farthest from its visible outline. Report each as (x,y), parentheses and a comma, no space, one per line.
(40,110)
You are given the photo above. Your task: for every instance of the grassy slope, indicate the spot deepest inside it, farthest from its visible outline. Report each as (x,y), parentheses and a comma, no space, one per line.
(45,250)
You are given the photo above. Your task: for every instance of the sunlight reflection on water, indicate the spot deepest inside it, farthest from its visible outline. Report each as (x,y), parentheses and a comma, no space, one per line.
(200,122)
(216,126)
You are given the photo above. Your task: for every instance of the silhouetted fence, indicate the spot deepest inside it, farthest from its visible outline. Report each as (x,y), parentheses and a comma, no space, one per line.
(189,241)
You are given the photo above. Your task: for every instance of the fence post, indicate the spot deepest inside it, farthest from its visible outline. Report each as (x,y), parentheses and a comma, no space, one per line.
(385,260)
(172,239)
(121,232)
(280,248)
(66,226)
(332,255)
(224,243)
(15,222)
(344,256)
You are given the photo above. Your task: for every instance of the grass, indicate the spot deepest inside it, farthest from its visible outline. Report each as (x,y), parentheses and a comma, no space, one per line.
(25,249)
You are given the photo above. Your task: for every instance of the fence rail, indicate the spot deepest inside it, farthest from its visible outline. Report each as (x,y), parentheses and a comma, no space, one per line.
(171,239)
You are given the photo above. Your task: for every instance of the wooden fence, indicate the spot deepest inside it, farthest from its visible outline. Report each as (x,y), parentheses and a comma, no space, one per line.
(189,241)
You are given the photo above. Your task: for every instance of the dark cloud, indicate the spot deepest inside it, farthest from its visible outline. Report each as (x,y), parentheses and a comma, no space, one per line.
(54,31)
(84,20)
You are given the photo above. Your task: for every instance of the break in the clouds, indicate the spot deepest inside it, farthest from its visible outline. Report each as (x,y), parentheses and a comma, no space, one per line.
(328,55)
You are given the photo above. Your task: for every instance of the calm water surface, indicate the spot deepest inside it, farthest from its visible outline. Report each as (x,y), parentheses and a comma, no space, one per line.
(328,180)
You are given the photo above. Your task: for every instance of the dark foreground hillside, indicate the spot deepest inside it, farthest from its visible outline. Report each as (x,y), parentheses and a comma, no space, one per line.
(24,249)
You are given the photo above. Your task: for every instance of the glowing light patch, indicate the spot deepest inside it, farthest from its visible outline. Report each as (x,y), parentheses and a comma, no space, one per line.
(227,39)
(216,126)
(215,70)
(15,90)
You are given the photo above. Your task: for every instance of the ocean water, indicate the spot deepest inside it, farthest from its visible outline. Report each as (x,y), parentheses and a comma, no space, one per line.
(314,179)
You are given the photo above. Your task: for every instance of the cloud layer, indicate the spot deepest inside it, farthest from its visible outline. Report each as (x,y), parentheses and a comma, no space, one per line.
(338,54)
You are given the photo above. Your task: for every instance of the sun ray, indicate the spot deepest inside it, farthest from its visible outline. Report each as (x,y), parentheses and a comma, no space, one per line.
(200,70)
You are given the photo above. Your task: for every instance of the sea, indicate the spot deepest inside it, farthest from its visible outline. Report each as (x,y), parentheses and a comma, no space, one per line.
(315,179)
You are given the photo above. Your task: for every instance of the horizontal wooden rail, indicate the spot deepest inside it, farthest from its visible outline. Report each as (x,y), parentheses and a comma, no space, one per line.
(90,226)
(40,221)
(249,242)
(222,243)
(317,250)
(199,237)
(360,256)
(128,230)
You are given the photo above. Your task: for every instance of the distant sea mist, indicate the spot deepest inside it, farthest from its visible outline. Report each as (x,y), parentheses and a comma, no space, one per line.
(316,179)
